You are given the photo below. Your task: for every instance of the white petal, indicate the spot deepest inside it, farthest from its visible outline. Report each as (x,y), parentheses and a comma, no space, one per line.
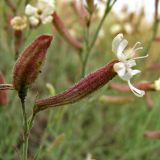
(45,4)
(47,19)
(157,84)
(116,41)
(127,76)
(130,73)
(120,69)
(120,55)
(137,92)
(48,11)
(30,10)
(131,63)
(33,21)
(135,71)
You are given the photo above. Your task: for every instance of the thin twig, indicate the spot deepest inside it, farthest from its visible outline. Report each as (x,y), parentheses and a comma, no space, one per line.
(88,51)
(6,87)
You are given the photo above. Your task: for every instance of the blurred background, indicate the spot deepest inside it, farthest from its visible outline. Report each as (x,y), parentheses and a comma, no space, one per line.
(110,123)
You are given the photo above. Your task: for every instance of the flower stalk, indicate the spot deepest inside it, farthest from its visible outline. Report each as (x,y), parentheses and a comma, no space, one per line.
(6,87)
(92,43)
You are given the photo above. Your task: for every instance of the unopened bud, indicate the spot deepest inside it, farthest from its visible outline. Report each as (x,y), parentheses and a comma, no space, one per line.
(91,5)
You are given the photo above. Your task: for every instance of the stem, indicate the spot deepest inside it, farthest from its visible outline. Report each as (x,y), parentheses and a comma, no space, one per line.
(25,134)
(89,47)
(6,87)
(84,62)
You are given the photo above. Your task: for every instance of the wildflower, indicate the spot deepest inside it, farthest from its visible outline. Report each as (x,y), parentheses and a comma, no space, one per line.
(19,23)
(116,28)
(89,157)
(29,64)
(42,13)
(157,84)
(127,61)
(128,28)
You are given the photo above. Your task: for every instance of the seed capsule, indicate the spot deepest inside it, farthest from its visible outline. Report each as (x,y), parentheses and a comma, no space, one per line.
(29,63)
(84,87)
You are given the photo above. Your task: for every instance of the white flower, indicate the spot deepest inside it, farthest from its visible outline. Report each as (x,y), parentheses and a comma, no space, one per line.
(89,157)
(157,84)
(128,28)
(19,23)
(127,61)
(116,28)
(42,13)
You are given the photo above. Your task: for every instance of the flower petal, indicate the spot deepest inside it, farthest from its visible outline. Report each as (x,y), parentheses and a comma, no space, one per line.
(30,10)
(116,41)
(137,92)
(135,71)
(120,55)
(120,69)
(45,4)
(33,21)
(47,19)
(131,63)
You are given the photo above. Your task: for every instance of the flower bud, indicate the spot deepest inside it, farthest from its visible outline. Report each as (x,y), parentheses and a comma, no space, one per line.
(152,134)
(116,99)
(146,86)
(84,87)
(59,25)
(29,64)
(91,5)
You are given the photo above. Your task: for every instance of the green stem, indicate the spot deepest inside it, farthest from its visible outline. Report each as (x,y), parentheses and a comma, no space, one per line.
(84,62)
(25,134)
(89,47)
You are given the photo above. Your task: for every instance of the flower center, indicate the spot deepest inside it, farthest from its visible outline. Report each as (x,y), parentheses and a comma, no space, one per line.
(39,11)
